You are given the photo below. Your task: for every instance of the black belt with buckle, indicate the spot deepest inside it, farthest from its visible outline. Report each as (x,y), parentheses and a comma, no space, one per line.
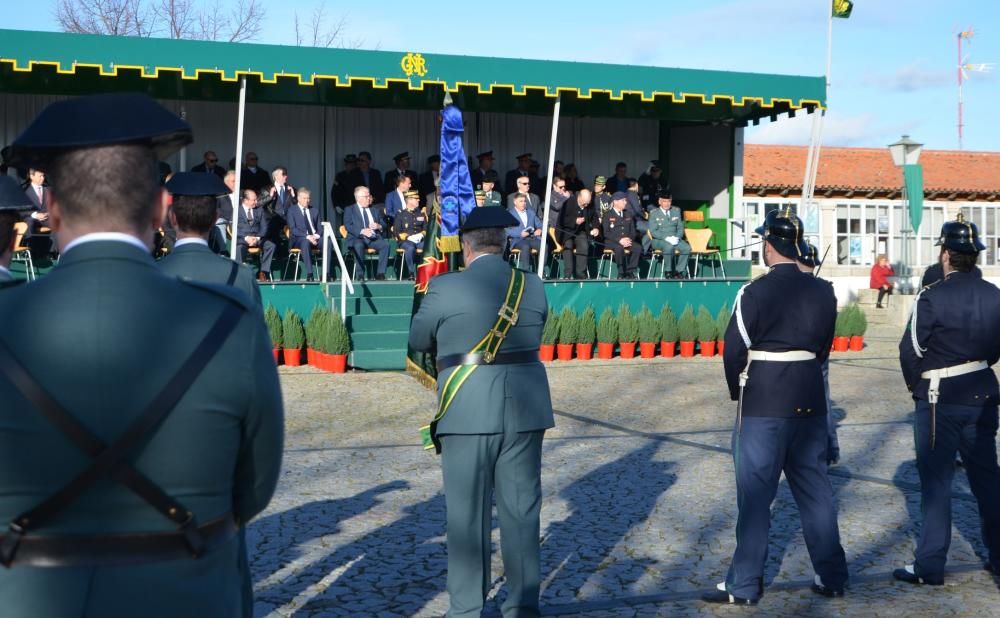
(479,358)
(93,550)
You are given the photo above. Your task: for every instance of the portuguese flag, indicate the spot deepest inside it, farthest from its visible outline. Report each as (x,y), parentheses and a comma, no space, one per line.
(842,8)
(421,365)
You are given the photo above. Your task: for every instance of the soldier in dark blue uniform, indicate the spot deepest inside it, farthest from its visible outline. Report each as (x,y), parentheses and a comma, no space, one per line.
(776,344)
(946,352)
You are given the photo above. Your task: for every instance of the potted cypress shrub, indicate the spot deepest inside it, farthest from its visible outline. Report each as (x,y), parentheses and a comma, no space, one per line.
(273,321)
(706,331)
(628,331)
(649,333)
(586,330)
(294,338)
(687,331)
(721,326)
(607,334)
(339,343)
(860,325)
(320,344)
(668,332)
(312,332)
(567,334)
(550,332)
(841,330)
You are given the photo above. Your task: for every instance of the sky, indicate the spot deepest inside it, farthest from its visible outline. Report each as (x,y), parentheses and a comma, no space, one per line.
(893,69)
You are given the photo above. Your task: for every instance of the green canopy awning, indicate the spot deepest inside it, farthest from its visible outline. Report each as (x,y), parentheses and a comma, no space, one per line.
(60,63)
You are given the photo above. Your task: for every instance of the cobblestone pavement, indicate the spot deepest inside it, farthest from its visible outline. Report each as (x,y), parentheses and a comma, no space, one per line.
(639,506)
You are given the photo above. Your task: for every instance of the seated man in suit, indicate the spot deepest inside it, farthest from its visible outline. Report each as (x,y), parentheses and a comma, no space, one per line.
(303,228)
(210,165)
(38,238)
(526,235)
(411,223)
(619,236)
(251,226)
(578,223)
(666,231)
(532,202)
(224,214)
(365,229)
(395,200)
(192,215)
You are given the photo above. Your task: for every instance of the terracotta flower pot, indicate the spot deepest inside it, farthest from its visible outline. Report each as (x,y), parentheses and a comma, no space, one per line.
(627,349)
(311,357)
(857,343)
(708,348)
(324,361)
(605,350)
(840,344)
(647,349)
(668,349)
(687,349)
(585,351)
(547,351)
(720,346)
(277,355)
(293,358)
(564,351)
(337,363)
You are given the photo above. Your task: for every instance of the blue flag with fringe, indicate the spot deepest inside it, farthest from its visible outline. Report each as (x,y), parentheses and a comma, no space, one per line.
(455,183)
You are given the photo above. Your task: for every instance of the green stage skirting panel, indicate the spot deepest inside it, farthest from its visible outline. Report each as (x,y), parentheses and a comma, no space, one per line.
(653,294)
(300,298)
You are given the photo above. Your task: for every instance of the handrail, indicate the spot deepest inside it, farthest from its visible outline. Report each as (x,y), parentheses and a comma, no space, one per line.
(329,238)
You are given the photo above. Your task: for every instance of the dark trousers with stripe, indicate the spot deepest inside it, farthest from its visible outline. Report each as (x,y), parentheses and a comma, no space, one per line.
(764,448)
(971,431)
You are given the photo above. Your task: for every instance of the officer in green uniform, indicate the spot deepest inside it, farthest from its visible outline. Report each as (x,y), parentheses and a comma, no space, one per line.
(666,228)
(602,199)
(491,197)
(496,407)
(12,202)
(144,425)
(193,216)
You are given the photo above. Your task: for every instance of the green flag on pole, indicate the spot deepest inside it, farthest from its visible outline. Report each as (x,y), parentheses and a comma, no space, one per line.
(913,178)
(842,8)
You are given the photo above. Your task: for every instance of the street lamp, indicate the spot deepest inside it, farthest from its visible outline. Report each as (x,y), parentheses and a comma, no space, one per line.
(905,152)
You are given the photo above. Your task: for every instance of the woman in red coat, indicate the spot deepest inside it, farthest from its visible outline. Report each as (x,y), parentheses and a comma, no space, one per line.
(881,272)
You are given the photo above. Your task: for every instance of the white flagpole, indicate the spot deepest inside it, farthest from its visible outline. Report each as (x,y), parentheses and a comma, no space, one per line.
(239,165)
(548,189)
(815,145)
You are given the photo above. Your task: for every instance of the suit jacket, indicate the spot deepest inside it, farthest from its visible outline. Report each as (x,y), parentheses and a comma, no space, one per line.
(514,232)
(254,180)
(280,203)
(393,203)
(298,225)
(389,181)
(218,170)
(354,222)
(568,226)
(37,206)
(245,227)
(224,208)
(108,309)
(196,262)
(458,309)
(664,224)
(426,186)
(356,179)
(615,226)
(510,180)
(534,203)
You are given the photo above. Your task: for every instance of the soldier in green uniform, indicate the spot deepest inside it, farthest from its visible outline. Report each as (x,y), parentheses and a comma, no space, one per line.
(193,216)
(491,197)
(495,408)
(602,199)
(13,201)
(666,228)
(144,425)
(480,197)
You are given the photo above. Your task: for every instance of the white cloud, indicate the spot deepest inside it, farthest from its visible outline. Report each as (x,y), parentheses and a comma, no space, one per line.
(837,130)
(911,78)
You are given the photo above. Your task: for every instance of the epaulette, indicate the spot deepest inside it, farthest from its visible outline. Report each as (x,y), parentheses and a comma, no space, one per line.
(225,291)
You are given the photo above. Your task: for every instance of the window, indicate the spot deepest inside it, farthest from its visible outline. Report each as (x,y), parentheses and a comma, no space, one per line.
(862,232)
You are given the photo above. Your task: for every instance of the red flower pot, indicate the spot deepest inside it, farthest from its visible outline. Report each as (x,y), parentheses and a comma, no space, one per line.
(627,349)
(337,363)
(585,351)
(720,346)
(547,351)
(311,357)
(668,349)
(277,355)
(857,343)
(564,351)
(840,344)
(687,349)
(708,348)
(324,361)
(605,350)
(293,358)
(647,349)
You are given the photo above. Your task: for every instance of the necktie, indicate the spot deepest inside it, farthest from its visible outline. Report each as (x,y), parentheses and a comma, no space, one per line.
(250,215)
(364,216)
(281,193)
(308,220)
(38,189)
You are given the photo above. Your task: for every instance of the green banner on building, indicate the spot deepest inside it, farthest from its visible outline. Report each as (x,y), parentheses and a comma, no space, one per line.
(913,177)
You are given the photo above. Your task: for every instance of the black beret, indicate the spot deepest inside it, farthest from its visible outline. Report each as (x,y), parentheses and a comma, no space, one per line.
(195,183)
(480,218)
(620,195)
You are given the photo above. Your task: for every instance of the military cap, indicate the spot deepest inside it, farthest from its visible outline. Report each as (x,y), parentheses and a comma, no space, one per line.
(195,183)
(600,180)
(654,162)
(619,195)
(434,159)
(351,158)
(401,156)
(12,196)
(481,193)
(491,176)
(525,155)
(810,257)
(960,236)
(98,120)
(783,230)
(480,218)
(412,194)
(664,194)
(485,155)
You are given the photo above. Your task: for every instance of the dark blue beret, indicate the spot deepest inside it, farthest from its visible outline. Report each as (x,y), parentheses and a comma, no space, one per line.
(619,195)
(197,183)
(488,217)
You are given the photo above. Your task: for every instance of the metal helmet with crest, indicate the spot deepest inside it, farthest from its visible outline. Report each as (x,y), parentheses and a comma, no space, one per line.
(961,236)
(783,229)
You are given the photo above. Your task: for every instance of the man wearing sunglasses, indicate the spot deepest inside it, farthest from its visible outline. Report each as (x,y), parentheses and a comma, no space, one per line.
(210,165)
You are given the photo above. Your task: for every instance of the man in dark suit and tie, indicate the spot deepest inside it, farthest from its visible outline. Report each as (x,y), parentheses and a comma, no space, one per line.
(395,200)
(210,165)
(531,200)
(510,182)
(402,161)
(303,228)
(526,235)
(365,230)
(485,165)
(38,236)
(251,225)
